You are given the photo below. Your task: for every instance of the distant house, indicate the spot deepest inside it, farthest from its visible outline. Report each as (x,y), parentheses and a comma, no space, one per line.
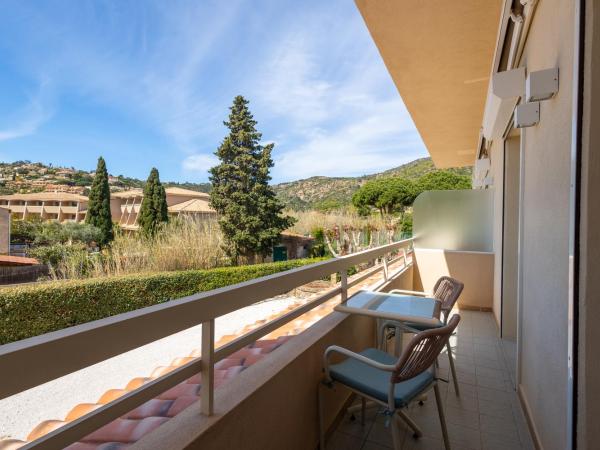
(61,206)
(292,246)
(125,206)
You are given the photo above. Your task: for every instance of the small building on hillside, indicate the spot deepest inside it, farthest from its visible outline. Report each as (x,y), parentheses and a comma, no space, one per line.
(61,206)
(125,206)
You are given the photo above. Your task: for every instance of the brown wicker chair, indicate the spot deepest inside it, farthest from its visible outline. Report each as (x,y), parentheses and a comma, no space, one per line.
(447,290)
(376,375)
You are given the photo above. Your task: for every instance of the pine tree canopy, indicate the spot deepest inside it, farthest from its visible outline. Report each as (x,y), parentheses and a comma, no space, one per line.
(153,211)
(250,215)
(98,210)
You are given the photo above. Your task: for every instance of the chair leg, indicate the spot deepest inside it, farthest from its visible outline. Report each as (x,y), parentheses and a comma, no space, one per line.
(396,435)
(363,410)
(417,433)
(440,407)
(320,412)
(452,369)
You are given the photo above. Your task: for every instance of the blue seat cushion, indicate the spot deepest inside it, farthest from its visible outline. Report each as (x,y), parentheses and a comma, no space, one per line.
(374,382)
(423,327)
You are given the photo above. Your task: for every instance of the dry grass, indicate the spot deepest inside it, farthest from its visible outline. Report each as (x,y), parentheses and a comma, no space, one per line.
(308,221)
(180,245)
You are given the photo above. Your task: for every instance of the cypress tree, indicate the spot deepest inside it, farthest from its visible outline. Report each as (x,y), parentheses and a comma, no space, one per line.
(250,215)
(98,211)
(153,211)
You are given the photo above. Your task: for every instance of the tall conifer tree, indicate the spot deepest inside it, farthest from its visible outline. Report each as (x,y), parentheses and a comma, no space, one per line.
(98,210)
(153,211)
(250,215)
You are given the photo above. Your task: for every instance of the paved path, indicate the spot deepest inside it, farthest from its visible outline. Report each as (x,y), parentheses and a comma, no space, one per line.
(53,400)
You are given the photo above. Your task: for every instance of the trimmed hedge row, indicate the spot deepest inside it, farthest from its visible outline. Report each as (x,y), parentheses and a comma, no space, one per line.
(37,309)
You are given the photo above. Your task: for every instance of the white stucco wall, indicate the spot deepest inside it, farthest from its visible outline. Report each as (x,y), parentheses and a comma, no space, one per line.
(546,150)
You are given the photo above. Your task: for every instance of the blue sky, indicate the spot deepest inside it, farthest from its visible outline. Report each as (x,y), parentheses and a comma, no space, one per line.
(149,84)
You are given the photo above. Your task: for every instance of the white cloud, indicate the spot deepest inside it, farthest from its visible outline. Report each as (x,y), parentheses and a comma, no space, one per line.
(340,109)
(199,163)
(315,80)
(373,143)
(30,117)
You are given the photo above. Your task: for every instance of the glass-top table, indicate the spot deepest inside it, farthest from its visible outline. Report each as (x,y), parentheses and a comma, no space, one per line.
(399,307)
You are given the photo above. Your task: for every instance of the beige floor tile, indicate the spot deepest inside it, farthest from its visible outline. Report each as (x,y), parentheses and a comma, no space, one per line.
(462,417)
(464,437)
(501,428)
(373,446)
(495,409)
(342,441)
(495,442)
(423,443)
(354,427)
(492,373)
(382,435)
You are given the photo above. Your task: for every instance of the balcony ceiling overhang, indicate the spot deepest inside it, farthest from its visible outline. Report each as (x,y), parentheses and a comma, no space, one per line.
(439,54)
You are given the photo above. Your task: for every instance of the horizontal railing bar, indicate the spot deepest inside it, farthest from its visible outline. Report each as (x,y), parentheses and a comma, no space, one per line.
(248,338)
(81,427)
(68,350)
(92,421)
(85,425)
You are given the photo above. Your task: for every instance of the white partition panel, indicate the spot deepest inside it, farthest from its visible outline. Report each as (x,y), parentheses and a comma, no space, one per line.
(454,220)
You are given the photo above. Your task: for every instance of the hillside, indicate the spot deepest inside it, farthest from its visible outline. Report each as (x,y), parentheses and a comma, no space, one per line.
(25,176)
(312,193)
(332,192)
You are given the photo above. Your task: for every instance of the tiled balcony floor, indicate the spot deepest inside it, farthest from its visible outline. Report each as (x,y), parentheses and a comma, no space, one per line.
(486,416)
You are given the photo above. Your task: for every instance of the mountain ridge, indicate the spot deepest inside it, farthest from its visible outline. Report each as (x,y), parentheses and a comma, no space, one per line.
(317,192)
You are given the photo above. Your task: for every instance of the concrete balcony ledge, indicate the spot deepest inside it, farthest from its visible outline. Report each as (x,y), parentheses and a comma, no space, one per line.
(274,403)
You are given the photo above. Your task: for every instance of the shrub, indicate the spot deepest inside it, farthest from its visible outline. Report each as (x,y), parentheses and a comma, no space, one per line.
(37,309)
(40,233)
(54,254)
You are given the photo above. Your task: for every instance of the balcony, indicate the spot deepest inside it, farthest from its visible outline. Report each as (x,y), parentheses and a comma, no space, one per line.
(258,389)
(210,397)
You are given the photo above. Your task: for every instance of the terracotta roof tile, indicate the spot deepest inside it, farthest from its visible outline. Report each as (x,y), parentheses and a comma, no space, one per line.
(44,428)
(155,407)
(180,404)
(81,410)
(11,444)
(126,430)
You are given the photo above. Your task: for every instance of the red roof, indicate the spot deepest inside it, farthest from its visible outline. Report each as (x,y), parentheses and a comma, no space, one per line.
(7,260)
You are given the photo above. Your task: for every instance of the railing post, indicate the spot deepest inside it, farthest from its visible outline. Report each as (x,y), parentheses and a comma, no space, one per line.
(385,268)
(208,368)
(404,256)
(344,284)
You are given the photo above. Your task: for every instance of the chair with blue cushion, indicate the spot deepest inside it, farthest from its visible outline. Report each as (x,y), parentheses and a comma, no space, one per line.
(447,290)
(393,383)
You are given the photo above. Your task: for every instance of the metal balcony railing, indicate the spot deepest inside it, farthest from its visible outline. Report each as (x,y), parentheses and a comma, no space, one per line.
(31,362)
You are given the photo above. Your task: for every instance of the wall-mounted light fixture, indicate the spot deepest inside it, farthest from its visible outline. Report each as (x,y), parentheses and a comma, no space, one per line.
(527,115)
(505,90)
(541,85)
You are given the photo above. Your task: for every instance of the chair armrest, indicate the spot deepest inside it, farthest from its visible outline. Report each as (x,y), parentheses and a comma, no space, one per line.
(351,354)
(415,293)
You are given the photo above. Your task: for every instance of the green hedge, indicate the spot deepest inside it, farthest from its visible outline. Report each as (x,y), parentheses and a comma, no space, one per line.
(37,309)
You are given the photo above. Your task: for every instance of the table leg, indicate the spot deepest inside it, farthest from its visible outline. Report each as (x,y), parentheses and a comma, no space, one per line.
(397,341)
